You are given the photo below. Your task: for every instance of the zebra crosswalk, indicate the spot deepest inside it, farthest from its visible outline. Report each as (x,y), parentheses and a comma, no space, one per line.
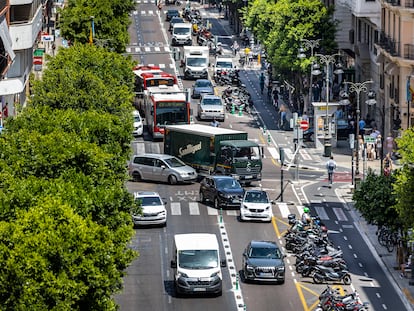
(281,209)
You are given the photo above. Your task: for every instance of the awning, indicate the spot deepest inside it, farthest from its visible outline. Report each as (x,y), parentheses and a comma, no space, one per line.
(380,58)
(391,69)
(11,86)
(5,37)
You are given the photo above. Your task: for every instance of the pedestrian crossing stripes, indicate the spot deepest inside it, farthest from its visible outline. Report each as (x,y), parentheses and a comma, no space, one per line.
(158,49)
(194,208)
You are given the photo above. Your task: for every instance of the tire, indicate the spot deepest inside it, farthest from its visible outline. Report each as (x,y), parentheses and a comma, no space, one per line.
(248,183)
(202,198)
(172,180)
(317,279)
(136,176)
(305,273)
(347,279)
(216,203)
(289,246)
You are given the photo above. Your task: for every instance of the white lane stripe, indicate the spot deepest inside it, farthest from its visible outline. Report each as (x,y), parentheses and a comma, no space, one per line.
(147,49)
(288,153)
(273,152)
(212,211)
(167,49)
(300,209)
(194,210)
(162,66)
(320,210)
(157,48)
(284,210)
(340,215)
(175,208)
(128,50)
(305,155)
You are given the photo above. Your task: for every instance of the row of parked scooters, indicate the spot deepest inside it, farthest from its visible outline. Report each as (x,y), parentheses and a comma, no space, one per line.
(319,259)
(237,98)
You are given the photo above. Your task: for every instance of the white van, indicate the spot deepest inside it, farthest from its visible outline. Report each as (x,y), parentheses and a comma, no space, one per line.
(196,263)
(181,34)
(224,63)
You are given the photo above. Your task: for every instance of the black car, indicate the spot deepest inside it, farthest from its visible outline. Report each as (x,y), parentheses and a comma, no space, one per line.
(223,191)
(263,261)
(171,13)
(174,20)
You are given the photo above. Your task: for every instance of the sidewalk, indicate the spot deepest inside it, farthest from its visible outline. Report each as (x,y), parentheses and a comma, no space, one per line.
(388,260)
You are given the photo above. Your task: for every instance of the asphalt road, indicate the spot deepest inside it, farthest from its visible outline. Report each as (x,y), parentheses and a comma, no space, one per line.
(148,283)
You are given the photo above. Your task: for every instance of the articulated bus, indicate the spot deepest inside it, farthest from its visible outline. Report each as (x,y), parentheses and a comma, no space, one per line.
(165,105)
(150,76)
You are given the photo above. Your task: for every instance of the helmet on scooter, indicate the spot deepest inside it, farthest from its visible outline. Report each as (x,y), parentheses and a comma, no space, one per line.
(306,210)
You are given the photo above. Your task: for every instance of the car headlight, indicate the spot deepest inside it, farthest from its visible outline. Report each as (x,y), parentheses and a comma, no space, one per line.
(244,206)
(224,195)
(215,274)
(267,208)
(182,275)
(281,268)
(249,267)
(184,174)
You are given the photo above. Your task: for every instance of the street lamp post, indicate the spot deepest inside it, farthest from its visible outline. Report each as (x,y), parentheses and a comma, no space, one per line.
(327,60)
(358,87)
(309,44)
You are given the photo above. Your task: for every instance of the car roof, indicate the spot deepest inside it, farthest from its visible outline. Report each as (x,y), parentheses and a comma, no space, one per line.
(154,155)
(141,194)
(176,18)
(268,244)
(172,11)
(203,80)
(219,177)
(210,96)
(256,191)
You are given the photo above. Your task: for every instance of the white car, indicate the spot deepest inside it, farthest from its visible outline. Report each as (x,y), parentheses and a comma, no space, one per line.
(153,209)
(256,206)
(138,124)
(211,107)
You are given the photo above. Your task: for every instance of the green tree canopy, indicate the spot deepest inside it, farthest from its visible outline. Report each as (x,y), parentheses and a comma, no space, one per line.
(404,183)
(53,259)
(281,25)
(375,199)
(110,17)
(110,132)
(85,77)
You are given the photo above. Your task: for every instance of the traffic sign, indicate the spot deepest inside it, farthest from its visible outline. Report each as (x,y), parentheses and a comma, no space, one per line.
(304,125)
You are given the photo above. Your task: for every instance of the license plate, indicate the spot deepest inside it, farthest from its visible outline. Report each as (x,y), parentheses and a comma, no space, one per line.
(199,289)
(248,177)
(236,201)
(266,274)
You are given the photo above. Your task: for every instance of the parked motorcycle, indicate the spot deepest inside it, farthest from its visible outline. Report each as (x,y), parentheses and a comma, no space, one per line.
(325,274)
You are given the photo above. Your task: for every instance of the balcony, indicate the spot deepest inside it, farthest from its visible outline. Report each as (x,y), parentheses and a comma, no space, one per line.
(409,51)
(389,45)
(409,4)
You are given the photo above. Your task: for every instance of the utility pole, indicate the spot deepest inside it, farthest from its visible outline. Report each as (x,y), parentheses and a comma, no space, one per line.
(282,160)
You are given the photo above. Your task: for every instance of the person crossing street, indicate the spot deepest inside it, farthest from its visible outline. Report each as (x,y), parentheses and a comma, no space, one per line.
(330,166)
(262,82)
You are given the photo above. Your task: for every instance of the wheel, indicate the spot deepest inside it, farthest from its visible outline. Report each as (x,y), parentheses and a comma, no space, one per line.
(216,203)
(202,198)
(347,279)
(282,282)
(317,279)
(306,272)
(136,176)
(172,180)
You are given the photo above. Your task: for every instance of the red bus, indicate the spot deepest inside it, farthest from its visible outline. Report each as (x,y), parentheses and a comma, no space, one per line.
(150,76)
(165,105)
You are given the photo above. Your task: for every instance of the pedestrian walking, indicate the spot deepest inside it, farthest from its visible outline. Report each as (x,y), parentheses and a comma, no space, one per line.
(389,144)
(235,47)
(330,166)
(378,147)
(262,82)
(387,165)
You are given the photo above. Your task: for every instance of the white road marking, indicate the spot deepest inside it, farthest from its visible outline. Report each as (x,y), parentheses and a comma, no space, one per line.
(175,208)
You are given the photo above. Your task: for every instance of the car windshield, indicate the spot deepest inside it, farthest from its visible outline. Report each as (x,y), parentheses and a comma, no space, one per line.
(181,30)
(265,252)
(212,101)
(228,184)
(197,62)
(203,84)
(149,201)
(137,119)
(174,162)
(198,259)
(223,64)
(256,197)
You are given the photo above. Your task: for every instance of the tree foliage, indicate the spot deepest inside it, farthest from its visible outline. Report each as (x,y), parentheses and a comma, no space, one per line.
(110,17)
(281,25)
(54,259)
(404,183)
(375,200)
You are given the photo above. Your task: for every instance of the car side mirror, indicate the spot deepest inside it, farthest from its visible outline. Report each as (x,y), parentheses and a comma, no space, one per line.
(273,202)
(163,167)
(173,264)
(223,263)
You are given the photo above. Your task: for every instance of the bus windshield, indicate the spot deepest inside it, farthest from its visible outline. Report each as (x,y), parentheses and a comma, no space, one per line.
(168,113)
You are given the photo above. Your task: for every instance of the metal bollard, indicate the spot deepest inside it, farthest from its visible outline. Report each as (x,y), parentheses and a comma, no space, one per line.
(221,215)
(268,139)
(264,129)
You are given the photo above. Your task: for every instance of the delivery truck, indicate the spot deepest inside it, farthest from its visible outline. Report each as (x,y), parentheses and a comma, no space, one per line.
(215,150)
